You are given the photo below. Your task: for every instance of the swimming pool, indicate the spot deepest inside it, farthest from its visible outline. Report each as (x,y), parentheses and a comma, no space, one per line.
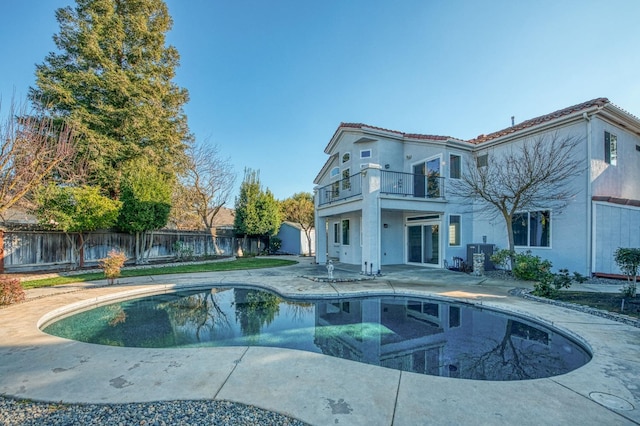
(420,335)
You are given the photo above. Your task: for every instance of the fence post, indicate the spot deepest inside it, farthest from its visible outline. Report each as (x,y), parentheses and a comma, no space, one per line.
(81,252)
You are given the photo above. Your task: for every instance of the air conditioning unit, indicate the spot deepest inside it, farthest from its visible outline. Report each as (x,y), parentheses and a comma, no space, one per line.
(487,249)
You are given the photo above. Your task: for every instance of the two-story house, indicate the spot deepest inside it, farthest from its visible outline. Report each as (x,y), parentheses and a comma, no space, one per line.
(381,197)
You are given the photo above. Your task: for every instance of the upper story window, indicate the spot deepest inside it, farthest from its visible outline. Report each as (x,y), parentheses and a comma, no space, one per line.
(482,160)
(610,149)
(346,183)
(365,153)
(335,172)
(454,166)
(346,157)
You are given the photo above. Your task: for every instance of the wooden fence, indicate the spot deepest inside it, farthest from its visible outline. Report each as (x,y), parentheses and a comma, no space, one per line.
(24,251)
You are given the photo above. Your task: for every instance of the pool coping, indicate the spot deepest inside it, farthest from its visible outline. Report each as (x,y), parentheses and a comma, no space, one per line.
(303,385)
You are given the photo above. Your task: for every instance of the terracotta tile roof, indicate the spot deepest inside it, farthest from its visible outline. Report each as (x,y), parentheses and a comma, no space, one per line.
(404,135)
(599,102)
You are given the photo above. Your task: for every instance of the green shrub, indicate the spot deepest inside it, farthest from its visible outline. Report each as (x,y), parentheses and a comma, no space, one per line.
(533,268)
(529,267)
(545,287)
(628,260)
(579,278)
(549,283)
(183,252)
(11,291)
(275,244)
(628,290)
(502,259)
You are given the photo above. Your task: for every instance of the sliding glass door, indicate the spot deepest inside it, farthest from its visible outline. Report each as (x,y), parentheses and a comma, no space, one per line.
(426,179)
(423,243)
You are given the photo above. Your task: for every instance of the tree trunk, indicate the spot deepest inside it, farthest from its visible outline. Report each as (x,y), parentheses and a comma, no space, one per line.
(512,248)
(214,240)
(77,250)
(307,233)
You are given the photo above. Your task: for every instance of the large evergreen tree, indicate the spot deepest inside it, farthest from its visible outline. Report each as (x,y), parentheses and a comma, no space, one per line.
(112,81)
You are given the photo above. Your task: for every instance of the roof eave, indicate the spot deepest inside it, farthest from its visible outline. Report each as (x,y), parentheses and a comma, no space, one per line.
(621,118)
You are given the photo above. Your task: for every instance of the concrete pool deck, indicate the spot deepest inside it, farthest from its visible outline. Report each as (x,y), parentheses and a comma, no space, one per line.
(314,388)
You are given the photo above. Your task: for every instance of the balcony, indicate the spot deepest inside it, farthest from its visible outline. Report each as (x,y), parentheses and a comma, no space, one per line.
(341,189)
(391,183)
(411,185)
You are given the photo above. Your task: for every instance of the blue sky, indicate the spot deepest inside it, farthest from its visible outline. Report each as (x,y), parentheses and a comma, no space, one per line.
(270,81)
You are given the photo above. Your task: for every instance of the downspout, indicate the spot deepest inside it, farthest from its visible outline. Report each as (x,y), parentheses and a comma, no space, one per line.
(589,230)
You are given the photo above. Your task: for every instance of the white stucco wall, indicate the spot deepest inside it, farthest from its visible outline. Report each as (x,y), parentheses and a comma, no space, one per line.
(621,180)
(392,238)
(569,227)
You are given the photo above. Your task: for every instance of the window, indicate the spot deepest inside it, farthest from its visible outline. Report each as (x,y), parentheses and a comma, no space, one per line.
(346,182)
(345,232)
(346,157)
(335,189)
(482,160)
(610,149)
(336,233)
(335,172)
(365,153)
(532,229)
(454,230)
(454,166)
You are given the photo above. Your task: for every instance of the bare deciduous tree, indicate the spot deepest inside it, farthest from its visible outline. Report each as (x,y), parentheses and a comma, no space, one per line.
(182,214)
(207,183)
(533,175)
(32,150)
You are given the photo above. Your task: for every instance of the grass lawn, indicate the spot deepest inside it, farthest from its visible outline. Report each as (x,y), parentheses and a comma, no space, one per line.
(611,302)
(242,263)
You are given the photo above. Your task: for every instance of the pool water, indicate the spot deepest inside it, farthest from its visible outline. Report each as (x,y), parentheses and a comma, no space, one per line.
(405,333)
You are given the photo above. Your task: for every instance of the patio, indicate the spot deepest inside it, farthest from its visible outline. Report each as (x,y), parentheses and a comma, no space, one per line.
(307,385)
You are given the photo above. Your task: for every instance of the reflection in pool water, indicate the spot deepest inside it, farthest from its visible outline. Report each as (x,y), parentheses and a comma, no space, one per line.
(410,334)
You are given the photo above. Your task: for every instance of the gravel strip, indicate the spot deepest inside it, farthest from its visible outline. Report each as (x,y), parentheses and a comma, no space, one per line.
(625,319)
(21,412)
